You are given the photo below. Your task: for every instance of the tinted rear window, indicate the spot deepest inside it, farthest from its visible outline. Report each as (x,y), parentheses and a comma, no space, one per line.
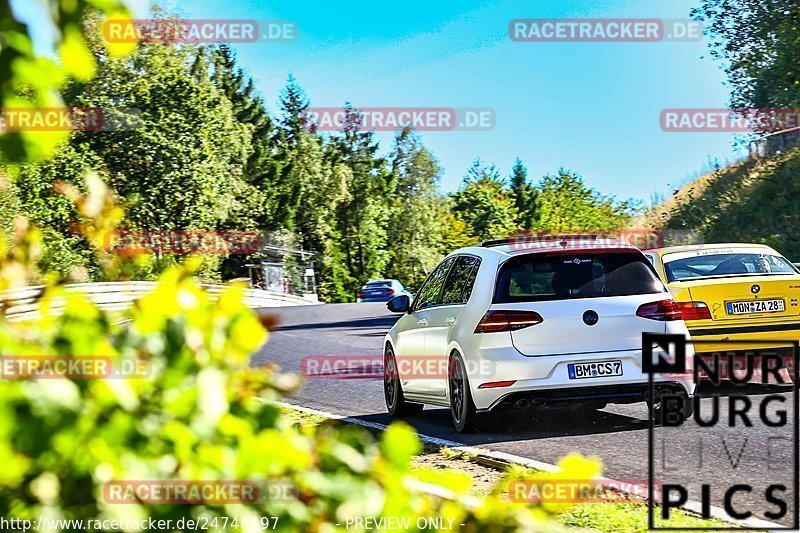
(538,277)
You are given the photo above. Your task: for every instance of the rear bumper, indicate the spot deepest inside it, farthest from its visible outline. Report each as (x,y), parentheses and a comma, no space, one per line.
(626,393)
(376,299)
(789,330)
(744,337)
(548,376)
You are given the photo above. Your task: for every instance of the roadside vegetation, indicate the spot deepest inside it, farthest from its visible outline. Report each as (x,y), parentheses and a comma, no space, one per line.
(206,154)
(758,200)
(199,148)
(752,201)
(482,476)
(199,410)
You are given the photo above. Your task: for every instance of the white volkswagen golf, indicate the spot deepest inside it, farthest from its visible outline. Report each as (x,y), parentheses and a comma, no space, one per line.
(496,327)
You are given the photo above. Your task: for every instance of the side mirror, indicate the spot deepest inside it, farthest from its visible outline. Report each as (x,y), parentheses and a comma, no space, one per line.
(399,304)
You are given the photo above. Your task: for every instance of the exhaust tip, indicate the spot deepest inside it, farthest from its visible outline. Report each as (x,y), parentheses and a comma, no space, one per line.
(539,402)
(523,403)
(659,391)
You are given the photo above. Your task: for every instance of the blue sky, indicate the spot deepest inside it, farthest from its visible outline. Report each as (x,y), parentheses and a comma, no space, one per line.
(589,107)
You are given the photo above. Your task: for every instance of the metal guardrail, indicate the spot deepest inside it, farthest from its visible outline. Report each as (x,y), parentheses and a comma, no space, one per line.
(774,143)
(23,304)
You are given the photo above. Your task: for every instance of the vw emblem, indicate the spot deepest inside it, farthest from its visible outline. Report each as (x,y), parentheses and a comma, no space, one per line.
(755,288)
(590,317)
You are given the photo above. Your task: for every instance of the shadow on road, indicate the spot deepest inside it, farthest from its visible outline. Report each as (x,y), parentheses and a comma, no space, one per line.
(707,389)
(382,322)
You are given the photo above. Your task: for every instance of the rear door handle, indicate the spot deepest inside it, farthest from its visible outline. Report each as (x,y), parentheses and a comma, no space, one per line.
(450,320)
(422,322)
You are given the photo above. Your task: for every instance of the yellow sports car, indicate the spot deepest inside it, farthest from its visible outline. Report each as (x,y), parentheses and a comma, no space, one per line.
(733,292)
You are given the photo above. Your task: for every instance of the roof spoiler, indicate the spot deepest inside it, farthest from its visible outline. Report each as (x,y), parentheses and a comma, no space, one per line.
(524,236)
(495,242)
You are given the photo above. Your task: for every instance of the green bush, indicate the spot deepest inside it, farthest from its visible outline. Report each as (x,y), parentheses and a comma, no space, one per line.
(201,412)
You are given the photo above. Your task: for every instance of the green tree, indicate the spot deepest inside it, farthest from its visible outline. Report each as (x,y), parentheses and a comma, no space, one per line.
(524,195)
(286,187)
(30,80)
(323,181)
(566,204)
(415,226)
(485,203)
(257,196)
(182,165)
(10,205)
(266,197)
(363,217)
(759,44)
(65,251)
(294,104)
(456,232)
(175,152)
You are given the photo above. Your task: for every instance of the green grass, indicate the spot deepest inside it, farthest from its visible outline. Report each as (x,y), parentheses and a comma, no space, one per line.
(751,201)
(302,418)
(628,516)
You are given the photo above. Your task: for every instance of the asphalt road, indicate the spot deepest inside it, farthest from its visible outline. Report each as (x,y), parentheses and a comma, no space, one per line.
(719,456)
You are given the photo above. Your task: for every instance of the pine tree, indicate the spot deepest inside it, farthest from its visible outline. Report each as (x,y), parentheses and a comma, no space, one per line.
(261,202)
(364,217)
(294,105)
(479,172)
(292,125)
(524,195)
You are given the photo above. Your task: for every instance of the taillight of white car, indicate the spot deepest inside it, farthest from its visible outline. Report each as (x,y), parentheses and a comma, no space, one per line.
(496,321)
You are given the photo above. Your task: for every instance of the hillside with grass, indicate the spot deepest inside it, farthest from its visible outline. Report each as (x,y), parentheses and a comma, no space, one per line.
(751,201)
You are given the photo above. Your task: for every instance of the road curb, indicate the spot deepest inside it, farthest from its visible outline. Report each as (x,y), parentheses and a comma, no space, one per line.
(496,459)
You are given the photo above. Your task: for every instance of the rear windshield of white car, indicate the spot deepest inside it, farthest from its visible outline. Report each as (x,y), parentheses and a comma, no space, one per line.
(540,277)
(726,264)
